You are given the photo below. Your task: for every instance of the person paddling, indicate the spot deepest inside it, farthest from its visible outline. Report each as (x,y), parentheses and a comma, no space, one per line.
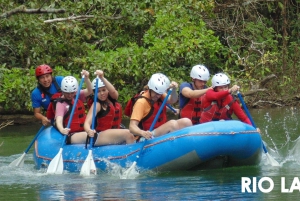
(108,115)
(147,106)
(47,86)
(69,87)
(191,94)
(220,104)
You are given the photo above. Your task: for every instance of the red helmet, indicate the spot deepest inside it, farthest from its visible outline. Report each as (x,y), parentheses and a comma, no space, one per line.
(42,70)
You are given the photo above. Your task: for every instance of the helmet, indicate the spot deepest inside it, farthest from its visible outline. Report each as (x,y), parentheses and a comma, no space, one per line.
(220,79)
(42,70)
(69,84)
(200,72)
(159,83)
(100,83)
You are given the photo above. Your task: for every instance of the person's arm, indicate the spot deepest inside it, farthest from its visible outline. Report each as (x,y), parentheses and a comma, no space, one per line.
(89,90)
(37,107)
(196,93)
(136,116)
(111,89)
(38,114)
(89,118)
(174,95)
(212,95)
(135,130)
(59,114)
(237,110)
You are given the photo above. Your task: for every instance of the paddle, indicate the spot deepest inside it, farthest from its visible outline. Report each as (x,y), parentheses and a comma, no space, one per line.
(171,108)
(271,160)
(89,166)
(56,166)
(19,162)
(132,167)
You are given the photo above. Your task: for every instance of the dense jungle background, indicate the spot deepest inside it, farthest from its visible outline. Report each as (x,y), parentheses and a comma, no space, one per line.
(255,42)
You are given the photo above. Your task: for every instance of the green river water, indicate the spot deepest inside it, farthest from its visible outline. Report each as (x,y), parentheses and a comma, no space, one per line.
(280,131)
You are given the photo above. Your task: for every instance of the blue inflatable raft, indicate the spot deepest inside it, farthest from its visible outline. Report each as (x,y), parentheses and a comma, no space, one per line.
(210,145)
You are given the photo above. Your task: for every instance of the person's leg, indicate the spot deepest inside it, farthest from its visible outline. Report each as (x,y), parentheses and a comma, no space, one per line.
(172,125)
(167,127)
(79,138)
(184,122)
(114,136)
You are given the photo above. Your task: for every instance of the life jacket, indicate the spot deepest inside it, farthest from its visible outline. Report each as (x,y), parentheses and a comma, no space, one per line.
(118,115)
(147,121)
(78,116)
(52,106)
(45,92)
(109,118)
(131,102)
(117,120)
(129,105)
(192,109)
(216,112)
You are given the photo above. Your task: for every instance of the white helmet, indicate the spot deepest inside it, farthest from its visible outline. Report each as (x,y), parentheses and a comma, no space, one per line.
(159,83)
(220,79)
(200,72)
(100,83)
(69,84)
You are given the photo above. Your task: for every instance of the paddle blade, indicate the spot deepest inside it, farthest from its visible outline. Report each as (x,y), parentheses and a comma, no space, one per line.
(271,160)
(56,166)
(88,166)
(129,172)
(19,162)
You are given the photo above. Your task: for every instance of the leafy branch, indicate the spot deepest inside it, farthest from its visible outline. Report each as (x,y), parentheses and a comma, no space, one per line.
(23,9)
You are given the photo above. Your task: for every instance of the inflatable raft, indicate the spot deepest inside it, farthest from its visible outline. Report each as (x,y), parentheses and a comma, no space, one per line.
(210,145)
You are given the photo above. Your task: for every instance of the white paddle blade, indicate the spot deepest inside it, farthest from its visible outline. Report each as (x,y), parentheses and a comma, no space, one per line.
(271,160)
(130,171)
(19,162)
(88,166)
(56,166)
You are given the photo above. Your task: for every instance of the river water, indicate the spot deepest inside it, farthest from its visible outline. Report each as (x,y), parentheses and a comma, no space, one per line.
(280,131)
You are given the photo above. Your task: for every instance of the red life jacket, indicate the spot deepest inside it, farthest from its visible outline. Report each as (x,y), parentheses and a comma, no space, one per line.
(216,112)
(118,116)
(52,106)
(117,120)
(129,105)
(146,122)
(192,110)
(109,118)
(90,101)
(78,117)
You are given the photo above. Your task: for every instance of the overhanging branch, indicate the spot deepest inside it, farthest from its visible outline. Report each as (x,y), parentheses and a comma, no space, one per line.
(23,9)
(80,17)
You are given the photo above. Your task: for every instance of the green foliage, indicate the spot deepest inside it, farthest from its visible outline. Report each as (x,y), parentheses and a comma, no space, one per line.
(16,85)
(173,43)
(130,40)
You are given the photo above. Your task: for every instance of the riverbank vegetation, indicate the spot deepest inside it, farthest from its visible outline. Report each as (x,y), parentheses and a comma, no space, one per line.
(255,42)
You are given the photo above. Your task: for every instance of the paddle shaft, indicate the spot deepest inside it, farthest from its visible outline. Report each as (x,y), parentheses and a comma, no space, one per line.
(94,111)
(73,109)
(249,116)
(160,109)
(33,140)
(171,108)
